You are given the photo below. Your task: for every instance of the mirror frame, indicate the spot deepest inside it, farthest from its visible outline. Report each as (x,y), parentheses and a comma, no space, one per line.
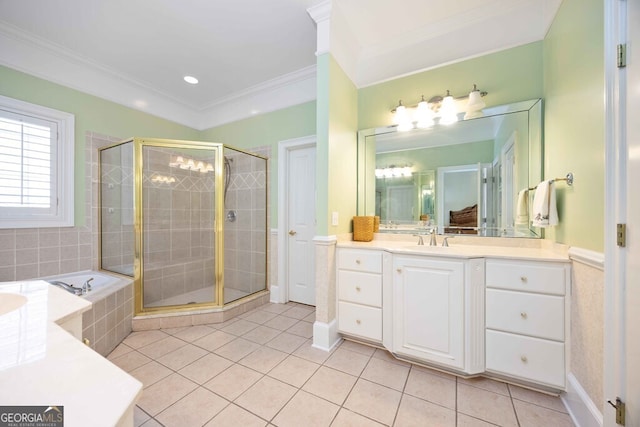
(534,109)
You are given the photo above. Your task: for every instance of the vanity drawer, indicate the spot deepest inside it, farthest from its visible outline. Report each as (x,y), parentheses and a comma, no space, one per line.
(527,358)
(537,315)
(544,278)
(360,320)
(360,288)
(360,260)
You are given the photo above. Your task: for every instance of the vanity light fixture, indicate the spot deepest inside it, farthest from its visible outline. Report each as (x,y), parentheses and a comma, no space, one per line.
(444,109)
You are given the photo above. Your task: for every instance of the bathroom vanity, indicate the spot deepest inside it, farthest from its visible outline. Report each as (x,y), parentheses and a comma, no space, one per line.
(467,309)
(45,363)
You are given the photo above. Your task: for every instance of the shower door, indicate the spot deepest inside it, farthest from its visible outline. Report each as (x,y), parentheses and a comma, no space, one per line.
(178,224)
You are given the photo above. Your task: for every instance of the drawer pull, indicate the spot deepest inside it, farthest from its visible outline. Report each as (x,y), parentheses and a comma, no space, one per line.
(523,279)
(358,321)
(524,359)
(358,288)
(523,315)
(357,261)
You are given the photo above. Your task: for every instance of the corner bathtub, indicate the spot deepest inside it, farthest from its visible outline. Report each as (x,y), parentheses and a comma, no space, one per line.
(108,321)
(101,285)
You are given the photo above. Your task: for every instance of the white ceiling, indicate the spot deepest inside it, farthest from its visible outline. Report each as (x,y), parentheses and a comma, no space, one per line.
(251,56)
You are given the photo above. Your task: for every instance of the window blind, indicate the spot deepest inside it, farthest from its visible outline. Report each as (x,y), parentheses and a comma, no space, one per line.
(27,169)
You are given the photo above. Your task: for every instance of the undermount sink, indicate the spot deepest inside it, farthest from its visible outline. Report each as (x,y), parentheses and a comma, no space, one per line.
(10,302)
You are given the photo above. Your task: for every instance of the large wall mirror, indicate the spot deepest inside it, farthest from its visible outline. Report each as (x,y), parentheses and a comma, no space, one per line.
(462,178)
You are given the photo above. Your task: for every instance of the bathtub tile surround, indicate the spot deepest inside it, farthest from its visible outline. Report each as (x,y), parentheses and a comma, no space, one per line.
(108,321)
(306,386)
(27,253)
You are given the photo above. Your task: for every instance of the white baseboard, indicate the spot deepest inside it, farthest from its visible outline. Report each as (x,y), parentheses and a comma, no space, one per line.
(275,294)
(580,406)
(325,335)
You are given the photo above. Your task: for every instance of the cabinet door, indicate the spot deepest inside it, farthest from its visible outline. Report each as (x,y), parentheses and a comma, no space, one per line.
(428,307)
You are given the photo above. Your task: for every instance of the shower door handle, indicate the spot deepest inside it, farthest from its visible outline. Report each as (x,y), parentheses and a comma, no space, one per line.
(292,233)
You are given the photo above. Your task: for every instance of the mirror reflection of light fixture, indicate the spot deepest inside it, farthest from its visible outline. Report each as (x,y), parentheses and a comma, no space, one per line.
(163,179)
(191,164)
(394,172)
(443,109)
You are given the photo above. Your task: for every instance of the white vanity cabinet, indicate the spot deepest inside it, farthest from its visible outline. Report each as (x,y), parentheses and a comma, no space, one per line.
(527,320)
(359,291)
(438,311)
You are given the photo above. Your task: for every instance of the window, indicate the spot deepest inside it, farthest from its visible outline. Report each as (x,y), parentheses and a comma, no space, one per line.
(36,166)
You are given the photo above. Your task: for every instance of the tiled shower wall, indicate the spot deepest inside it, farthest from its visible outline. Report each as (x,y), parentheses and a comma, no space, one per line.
(179,232)
(245,240)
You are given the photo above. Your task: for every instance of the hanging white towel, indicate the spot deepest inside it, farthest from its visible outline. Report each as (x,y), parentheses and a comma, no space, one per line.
(545,213)
(522,208)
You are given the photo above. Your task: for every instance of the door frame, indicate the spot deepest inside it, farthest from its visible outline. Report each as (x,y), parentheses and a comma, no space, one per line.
(280,291)
(615,193)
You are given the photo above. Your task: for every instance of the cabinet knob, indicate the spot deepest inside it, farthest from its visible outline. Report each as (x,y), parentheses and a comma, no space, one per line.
(358,321)
(399,270)
(524,359)
(523,315)
(358,288)
(86,342)
(357,261)
(523,279)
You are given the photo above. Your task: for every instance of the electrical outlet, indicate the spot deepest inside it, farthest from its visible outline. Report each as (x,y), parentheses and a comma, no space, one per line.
(334,218)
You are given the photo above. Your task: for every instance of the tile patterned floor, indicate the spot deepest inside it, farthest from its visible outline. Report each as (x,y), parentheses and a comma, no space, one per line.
(260,370)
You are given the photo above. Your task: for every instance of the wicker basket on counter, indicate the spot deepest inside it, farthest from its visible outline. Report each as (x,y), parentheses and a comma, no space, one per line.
(363,228)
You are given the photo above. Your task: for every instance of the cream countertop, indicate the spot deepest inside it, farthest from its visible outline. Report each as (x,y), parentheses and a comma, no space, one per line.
(42,364)
(465,247)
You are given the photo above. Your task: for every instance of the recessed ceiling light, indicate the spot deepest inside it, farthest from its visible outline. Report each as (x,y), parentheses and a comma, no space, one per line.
(191,80)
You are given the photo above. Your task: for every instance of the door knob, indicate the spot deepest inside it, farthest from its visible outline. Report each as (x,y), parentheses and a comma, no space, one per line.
(292,233)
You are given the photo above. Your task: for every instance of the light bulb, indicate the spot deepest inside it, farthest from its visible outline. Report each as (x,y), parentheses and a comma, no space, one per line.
(475,104)
(424,115)
(448,111)
(402,118)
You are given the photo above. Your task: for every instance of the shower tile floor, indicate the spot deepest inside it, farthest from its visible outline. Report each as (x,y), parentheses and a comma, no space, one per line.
(199,295)
(259,369)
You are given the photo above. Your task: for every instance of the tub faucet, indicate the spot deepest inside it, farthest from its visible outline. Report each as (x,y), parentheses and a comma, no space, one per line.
(87,286)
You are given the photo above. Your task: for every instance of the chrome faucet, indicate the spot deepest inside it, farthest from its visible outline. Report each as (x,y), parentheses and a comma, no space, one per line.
(87,286)
(420,239)
(445,241)
(433,241)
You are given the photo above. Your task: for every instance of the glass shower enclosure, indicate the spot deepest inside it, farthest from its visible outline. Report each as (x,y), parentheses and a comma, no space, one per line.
(186,219)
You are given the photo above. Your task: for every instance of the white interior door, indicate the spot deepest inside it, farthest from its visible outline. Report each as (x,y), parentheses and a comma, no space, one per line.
(622,200)
(301,224)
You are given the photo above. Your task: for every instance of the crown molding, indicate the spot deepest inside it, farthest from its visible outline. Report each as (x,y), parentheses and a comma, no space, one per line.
(26,53)
(285,91)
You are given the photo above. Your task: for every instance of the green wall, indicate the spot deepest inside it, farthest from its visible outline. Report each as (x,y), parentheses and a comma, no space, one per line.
(509,75)
(92,114)
(337,125)
(266,130)
(343,148)
(574,120)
